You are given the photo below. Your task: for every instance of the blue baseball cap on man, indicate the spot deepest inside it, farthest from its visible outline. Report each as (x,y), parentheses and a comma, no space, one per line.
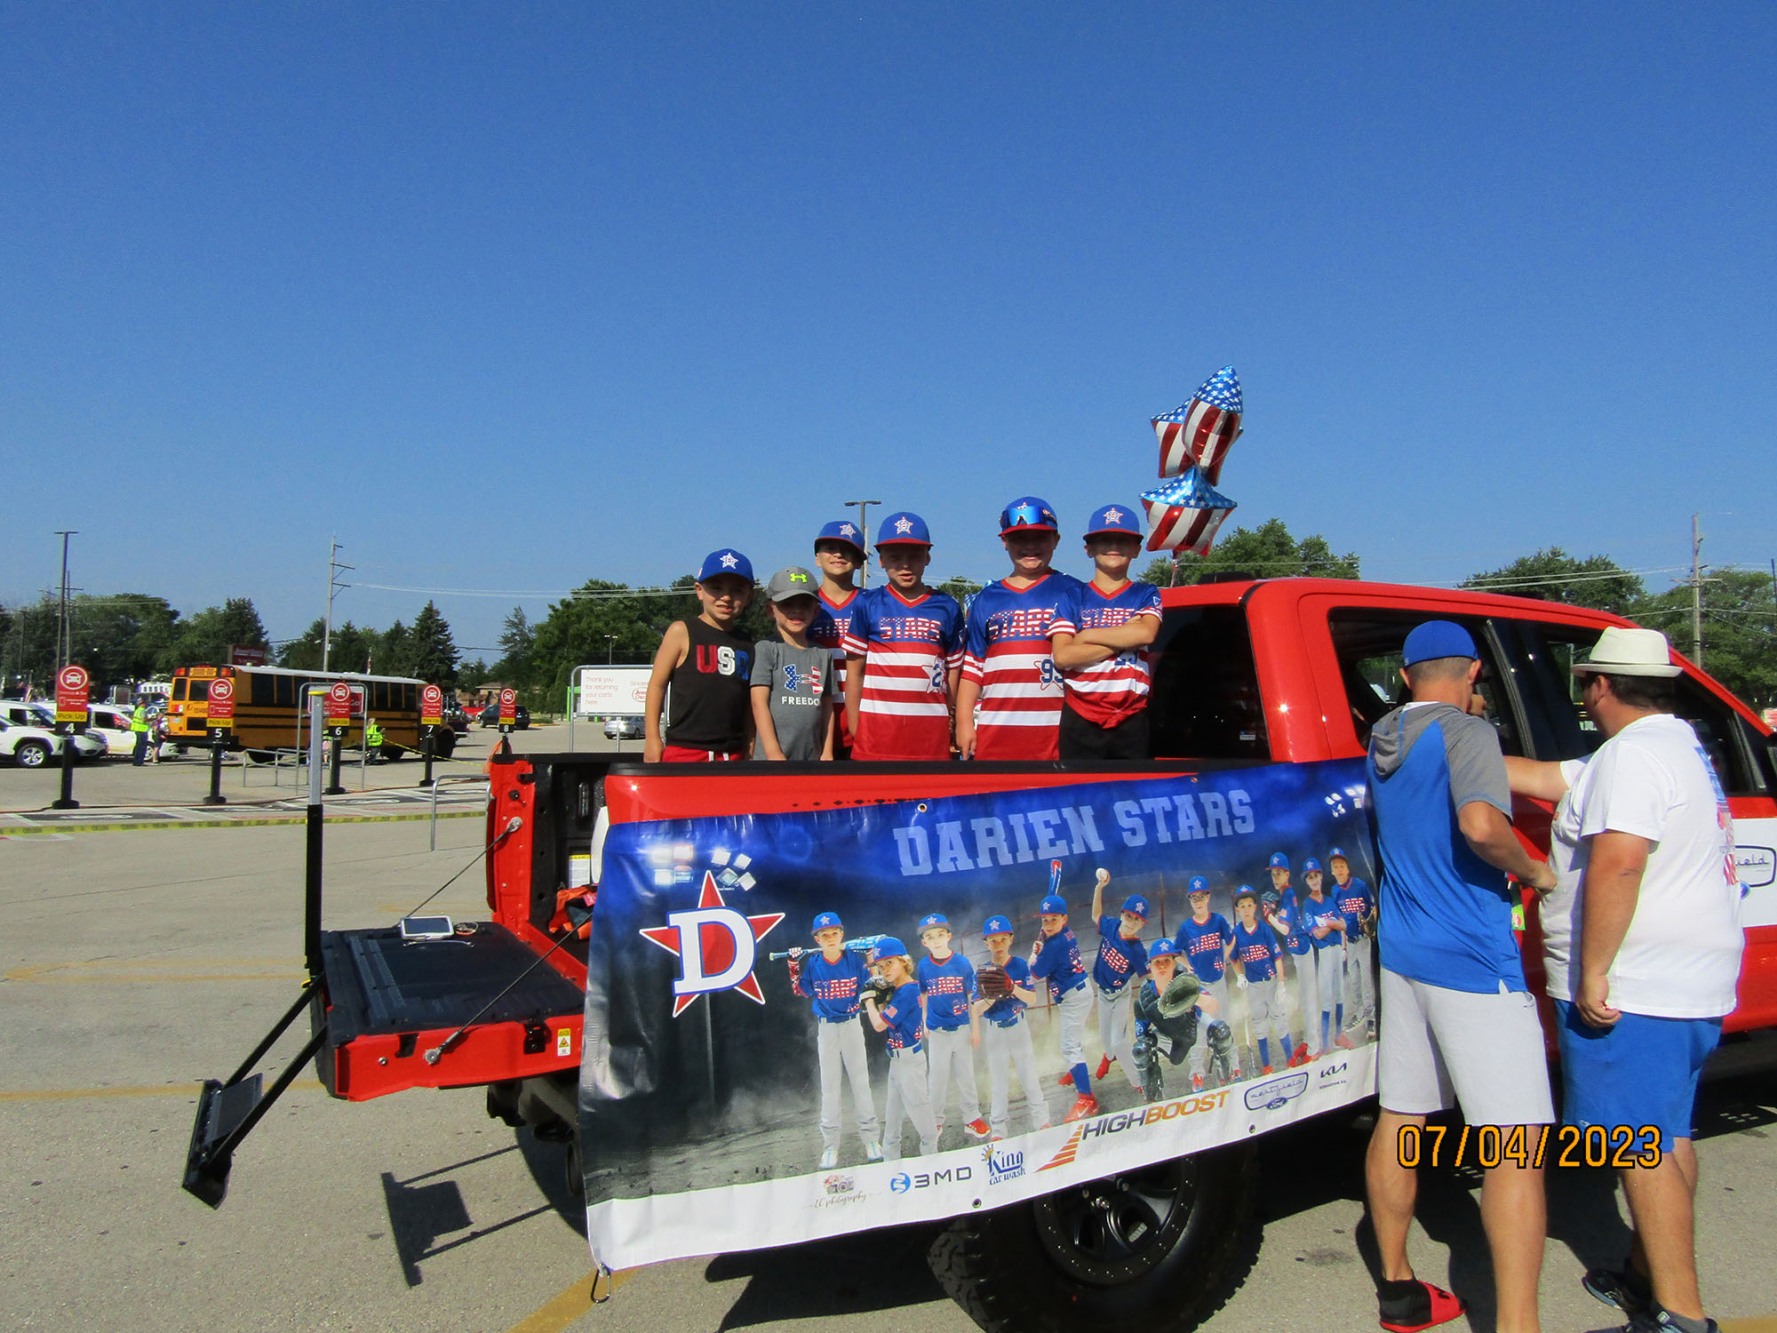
(1053,905)
(1028,513)
(1278,861)
(996,925)
(903,528)
(1435,639)
(933,921)
(1137,904)
(841,530)
(725,562)
(1122,520)
(888,947)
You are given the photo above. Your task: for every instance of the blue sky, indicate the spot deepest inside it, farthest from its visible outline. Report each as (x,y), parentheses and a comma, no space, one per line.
(511,296)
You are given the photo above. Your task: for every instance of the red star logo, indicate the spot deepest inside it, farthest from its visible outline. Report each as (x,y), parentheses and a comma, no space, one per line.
(716,944)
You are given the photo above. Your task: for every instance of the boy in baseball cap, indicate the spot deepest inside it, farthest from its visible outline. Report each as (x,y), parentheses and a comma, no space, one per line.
(1099,639)
(838,554)
(833,982)
(900,1017)
(708,664)
(1005,1034)
(1205,940)
(903,649)
(792,681)
(953,1029)
(1055,958)
(1122,958)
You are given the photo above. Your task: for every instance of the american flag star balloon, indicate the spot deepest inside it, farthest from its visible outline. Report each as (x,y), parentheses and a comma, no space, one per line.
(1202,431)
(1184,514)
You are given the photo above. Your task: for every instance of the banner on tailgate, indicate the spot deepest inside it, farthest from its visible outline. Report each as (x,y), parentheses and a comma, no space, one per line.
(733,1096)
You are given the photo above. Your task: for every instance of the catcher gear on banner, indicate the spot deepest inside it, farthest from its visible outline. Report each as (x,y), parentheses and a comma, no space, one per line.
(1180,996)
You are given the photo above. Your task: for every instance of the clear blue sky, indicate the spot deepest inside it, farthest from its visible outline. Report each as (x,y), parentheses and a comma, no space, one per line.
(510,296)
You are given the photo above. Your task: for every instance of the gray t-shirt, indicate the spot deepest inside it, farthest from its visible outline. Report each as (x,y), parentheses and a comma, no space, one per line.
(802,695)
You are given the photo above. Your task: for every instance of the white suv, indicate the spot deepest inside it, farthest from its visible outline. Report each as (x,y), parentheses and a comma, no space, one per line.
(41,717)
(28,747)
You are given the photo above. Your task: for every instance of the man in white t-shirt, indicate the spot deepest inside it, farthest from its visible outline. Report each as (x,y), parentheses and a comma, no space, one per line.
(1642,943)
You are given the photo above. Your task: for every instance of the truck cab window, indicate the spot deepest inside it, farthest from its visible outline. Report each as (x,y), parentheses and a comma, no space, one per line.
(1205,701)
(1367,644)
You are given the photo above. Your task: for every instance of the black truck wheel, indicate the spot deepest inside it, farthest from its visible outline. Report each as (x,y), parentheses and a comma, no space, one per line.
(1152,1250)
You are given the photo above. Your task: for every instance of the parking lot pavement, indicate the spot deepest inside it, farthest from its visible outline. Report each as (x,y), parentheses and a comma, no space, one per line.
(136,964)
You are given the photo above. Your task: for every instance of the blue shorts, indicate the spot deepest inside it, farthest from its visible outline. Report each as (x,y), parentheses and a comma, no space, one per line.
(1640,1071)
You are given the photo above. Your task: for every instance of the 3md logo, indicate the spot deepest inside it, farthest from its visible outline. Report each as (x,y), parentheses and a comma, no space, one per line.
(904,1181)
(715,946)
(1275,1094)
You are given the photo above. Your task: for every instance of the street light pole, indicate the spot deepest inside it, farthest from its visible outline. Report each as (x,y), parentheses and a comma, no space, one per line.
(610,648)
(863,508)
(62,637)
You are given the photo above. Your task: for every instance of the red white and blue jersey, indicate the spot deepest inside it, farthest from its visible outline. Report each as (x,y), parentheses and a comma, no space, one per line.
(1115,689)
(1006,653)
(1118,959)
(1316,912)
(1205,945)
(907,647)
(1297,942)
(1257,950)
(1355,903)
(834,989)
(948,987)
(1058,963)
(827,630)
(901,1014)
(1006,1010)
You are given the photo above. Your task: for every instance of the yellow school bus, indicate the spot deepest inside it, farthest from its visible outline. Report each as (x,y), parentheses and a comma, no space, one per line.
(270,708)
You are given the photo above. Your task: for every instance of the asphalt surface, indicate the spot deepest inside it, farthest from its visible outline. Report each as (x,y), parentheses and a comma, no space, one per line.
(136,961)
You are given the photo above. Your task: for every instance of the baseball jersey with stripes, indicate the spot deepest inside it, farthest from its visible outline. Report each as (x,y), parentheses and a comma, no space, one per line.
(827,630)
(1006,652)
(1110,691)
(907,646)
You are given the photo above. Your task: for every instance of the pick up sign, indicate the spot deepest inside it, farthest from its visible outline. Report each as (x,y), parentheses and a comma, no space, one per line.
(221,697)
(72,689)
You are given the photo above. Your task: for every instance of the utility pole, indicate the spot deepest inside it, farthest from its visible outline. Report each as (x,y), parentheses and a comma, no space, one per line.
(1696,591)
(333,586)
(863,508)
(64,640)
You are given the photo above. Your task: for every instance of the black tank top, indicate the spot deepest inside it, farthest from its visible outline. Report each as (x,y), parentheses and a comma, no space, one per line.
(711,691)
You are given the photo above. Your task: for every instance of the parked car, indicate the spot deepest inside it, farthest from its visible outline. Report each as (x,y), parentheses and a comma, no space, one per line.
(626,728)
(40,716)
(456,719)
(28,747)
(490,716)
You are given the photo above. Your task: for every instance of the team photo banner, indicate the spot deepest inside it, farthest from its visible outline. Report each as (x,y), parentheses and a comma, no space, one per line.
(721,1109)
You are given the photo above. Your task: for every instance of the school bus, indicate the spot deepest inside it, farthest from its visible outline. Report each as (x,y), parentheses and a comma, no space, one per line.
(270,710)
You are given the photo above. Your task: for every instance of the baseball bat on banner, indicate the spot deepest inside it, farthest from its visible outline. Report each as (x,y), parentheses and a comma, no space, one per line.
(862,944)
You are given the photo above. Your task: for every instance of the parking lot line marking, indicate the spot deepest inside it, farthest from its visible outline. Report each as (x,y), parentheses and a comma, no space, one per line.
(138,971)
(160,1090)
(573,1301)
(1760,1324)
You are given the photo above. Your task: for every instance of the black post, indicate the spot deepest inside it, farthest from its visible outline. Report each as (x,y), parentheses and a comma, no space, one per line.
(215,797)
(66,801)
(311,915)
(333,785)
(428,745)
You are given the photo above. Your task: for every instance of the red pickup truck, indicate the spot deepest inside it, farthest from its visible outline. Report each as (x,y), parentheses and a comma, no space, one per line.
(1248,676)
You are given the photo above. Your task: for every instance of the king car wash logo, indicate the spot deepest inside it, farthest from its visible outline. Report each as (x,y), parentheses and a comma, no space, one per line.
(715,946)
(1273,1095)
(1002,1164)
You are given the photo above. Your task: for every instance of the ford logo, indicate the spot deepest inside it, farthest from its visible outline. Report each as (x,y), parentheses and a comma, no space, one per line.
(1274,1094)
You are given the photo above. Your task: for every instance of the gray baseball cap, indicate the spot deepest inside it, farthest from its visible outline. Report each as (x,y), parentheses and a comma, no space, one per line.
(792,582)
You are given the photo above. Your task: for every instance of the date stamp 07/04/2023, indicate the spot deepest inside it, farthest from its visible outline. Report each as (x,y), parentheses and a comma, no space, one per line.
(1620,1147)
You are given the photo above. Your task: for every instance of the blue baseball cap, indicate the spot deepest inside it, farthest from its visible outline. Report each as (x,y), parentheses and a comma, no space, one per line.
(1053,905)
(1247,891)
(1198,885)
(1278,861)
(996,925)
(888,947)
(826,921)
(841,530)
(725,562)
(1162,949)
(1338,854)
(1311,867)
(1137,904)
(902,528)
(1121,519)
(933,921)
(1435,639)
(1028,513)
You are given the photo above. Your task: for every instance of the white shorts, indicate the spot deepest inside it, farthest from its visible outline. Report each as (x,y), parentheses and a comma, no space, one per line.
(1486,1049)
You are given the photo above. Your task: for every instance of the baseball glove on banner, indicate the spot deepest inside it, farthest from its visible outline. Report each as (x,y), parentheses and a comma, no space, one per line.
(992,983)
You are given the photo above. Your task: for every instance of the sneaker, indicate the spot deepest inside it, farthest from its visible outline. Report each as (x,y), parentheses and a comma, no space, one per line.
(1066,1080)
(1654,1319)
(1343,1042)
(1265,1071)
(1234,1077)
(938,1126)
(1196,1082)
(1104,1068)
(976,1129)
(1419,1305)
(1622,1287)
(1084,1105)
(873,1151)
(1299,1056)
(829,1159)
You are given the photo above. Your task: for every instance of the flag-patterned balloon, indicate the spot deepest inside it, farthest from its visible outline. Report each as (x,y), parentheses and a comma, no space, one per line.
(1202,431)
(1183,515)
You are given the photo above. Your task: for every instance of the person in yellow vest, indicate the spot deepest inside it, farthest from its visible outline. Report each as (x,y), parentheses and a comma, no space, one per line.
(373,741)
(139,733)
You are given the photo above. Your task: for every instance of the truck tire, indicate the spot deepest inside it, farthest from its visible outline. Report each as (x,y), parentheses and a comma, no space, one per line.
(31,754)
(1155,1250)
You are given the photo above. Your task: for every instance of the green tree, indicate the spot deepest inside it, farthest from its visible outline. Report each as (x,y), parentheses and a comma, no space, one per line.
(518,640)
(962,588)
(393,654)
(1739,630)
(471,675)
(350,647)
(1159,572)
(1266,552)
(434,657)
(600,622)
(1555,576)
(206,638)
(122,637)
